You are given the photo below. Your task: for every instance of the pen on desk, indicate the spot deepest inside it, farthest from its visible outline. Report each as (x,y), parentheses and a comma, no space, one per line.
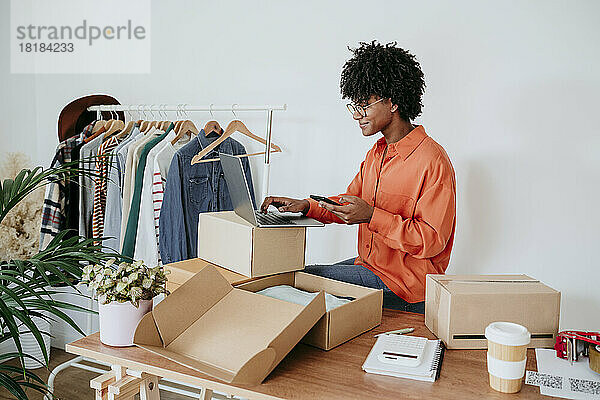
(397,332)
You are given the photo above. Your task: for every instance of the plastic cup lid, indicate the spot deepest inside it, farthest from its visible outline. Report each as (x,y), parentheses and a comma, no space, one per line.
(507,333)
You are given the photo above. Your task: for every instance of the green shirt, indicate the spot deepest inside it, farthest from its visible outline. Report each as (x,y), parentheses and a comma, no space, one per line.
(134,211)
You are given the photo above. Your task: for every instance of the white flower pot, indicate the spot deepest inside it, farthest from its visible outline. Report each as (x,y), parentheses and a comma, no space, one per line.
(31,346)
(119,320)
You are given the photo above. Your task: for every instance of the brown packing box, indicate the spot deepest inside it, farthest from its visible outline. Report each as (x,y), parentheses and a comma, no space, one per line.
(228,240)
(458,308)
(340,324)
(230,334)
(181,271)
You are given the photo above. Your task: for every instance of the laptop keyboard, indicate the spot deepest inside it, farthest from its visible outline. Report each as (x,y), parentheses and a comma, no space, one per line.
(271,219)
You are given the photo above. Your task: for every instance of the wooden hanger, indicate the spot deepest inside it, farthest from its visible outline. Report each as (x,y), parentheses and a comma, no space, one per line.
(126,131)
(117,125)
(234,126)
(96,134)
(185,127)
(212,126)
(99,124)
(144,126)
(165,125)
(178,125)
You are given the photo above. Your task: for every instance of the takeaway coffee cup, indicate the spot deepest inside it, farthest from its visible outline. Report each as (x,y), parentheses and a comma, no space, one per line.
(507,355)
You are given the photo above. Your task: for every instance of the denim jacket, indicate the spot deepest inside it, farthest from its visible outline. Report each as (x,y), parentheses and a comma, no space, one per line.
(191,190)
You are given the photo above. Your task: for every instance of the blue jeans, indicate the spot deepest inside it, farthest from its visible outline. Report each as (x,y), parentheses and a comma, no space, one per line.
(346,271)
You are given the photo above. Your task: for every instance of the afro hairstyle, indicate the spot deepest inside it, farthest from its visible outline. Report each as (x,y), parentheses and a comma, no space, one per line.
(386,71)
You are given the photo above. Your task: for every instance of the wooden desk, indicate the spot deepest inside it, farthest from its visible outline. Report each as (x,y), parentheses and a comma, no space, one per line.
(311,373)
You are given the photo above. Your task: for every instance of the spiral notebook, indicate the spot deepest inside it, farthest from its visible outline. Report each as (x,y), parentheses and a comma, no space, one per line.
(428,370)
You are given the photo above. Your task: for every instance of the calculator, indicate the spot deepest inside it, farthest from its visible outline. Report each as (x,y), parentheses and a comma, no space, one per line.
(402,350)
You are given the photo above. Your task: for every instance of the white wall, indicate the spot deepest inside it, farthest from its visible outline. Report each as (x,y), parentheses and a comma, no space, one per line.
(512,94)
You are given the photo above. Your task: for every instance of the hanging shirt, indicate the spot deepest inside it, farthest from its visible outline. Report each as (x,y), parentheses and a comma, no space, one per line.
(411,232)
(114,193)
(129,180)
(86,185)
(194,189)
(134,211)
(162,161)
(58,199)
(146,245)
(103,161)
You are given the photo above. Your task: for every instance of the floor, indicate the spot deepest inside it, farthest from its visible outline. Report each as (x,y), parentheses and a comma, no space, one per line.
(73,383)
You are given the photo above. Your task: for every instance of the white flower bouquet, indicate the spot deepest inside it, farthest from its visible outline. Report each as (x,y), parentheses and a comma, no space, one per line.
(128,282)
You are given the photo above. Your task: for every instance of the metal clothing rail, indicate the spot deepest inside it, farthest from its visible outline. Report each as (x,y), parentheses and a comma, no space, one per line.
(184,107)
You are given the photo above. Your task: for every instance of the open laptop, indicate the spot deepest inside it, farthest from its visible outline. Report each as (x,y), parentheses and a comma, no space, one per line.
(242,201)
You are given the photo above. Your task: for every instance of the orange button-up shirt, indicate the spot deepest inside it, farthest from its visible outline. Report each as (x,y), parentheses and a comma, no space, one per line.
(413,192)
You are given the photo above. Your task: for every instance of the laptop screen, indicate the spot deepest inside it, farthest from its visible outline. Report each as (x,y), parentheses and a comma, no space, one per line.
(238,187)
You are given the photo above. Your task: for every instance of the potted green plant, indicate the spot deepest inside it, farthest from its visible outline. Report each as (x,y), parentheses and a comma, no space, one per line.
(124,295)
(28,283)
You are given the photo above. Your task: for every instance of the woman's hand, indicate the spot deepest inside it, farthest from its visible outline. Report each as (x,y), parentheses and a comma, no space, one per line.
(285,204)
(354,210)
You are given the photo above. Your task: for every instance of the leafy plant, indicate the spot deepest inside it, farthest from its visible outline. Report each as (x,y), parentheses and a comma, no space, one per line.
(128,282)
(27,286)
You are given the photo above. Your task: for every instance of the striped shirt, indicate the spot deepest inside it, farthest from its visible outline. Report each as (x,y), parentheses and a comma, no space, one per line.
(161,164)
(103,161)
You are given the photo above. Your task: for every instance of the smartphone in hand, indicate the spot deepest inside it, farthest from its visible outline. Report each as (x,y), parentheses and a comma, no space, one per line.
(324,199)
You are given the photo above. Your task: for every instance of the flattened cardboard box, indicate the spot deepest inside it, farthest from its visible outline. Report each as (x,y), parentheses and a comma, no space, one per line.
(181,271)
(230,334)
(231,242)
(340,324)
(458,308)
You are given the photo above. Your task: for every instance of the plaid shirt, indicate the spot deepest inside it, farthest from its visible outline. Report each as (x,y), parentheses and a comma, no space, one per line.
(56,201)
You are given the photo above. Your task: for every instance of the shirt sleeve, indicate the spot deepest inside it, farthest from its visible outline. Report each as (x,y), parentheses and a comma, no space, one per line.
(248,173)
(172,239)
(112,218)
(158,190)
(146,246)
(426,234)
(327,217)
(53,209)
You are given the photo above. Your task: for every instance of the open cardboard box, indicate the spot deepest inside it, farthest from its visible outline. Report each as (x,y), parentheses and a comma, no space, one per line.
(340,324)
(230,334)
(180,272)
(228,240)
(458,308)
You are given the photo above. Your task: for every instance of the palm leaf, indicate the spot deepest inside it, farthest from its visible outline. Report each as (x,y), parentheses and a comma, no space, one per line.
(27,286)
(10,323)
(13,386)
(19,370)
(27,181)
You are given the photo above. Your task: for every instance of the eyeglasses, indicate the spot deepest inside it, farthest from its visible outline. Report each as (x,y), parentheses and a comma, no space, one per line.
(362,111)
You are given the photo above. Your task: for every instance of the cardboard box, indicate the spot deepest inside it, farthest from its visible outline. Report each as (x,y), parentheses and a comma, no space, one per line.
(230,334)
(227,240)
(340,324)
(182,271)
(458,308)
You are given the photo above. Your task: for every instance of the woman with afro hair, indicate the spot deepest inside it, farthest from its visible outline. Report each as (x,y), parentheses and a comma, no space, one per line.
(404,194)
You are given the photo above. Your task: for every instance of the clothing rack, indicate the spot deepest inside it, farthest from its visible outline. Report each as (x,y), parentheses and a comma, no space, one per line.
(183,108)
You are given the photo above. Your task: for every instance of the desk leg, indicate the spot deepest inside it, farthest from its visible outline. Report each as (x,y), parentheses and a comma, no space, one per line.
(149,387)
(206,394)
(119,371)
(125,388)
(100,385)
(117,385)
